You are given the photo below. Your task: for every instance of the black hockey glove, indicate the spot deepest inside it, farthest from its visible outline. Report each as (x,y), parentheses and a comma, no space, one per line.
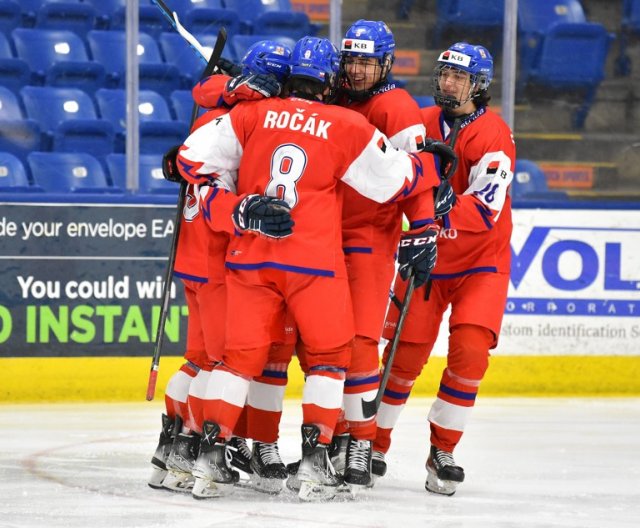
(448,158)
(169,166)
(250,88)
(228,67)
(264,215)
(444,199)
(417,254)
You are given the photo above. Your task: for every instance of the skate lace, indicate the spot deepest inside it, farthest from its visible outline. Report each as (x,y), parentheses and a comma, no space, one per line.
(269,454)
(359,455)
(240,445)
(443,458)
(378,455)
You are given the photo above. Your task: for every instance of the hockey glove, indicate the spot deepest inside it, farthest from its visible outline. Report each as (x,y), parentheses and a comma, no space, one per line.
(228,67)
(448,158)
(417,254)
(250,88)
(264,215)
(444,199)
(169,166)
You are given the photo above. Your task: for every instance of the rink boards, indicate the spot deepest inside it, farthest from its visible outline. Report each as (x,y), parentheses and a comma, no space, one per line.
(81,287)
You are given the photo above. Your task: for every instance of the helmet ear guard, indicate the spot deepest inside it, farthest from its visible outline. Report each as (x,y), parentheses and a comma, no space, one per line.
(267,57)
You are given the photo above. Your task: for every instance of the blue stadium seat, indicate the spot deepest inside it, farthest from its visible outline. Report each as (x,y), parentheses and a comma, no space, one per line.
(10,15)
(208,20)
(182,103)
(109,49)
(57,58)
(530,182)
(249,10)
(150,19)
(290,24)
(13,175)
(241,43)
(63,172)
(158,132)
(73,16)
(467,17)
(105,10)
(9,105)
(177,52)
(20,137)
(68,120)
(561,51)
(150,178)
(14,72)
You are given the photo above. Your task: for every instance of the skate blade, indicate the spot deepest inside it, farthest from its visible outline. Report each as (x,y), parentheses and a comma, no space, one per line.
(180,482)
(441,487)
(293,483)
(352,491)
(272,486)
(316,492)
(157,476)
(208,489)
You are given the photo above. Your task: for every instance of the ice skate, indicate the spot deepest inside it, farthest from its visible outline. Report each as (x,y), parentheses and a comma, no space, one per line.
(213,476)
(180,462)
(357,474)
(269,472)
(158,462)
(443,475)
(378,466)
(318,480)
(240,454)
(338,452)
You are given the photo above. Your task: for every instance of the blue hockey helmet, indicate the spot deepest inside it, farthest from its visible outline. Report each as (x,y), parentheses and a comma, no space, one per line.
(315,59)
(369,38)
(267,56)
(472,59)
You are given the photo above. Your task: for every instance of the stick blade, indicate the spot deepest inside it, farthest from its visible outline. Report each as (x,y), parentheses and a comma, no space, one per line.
(369,407)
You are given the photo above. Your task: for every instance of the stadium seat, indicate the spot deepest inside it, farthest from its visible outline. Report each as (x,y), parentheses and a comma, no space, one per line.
(14,72)
(9,105)
(182,103)
(249,10)
(158,131)
(72,16)
(208,20)
(13,175)
(57,58)
(467,17)
(150,19)
(290,24)
(190,64)
(530,182)
(20,137)
(105,10)
(109,49)
(241,43)
(10,15)
(63,172)
(68,120)
(150,178)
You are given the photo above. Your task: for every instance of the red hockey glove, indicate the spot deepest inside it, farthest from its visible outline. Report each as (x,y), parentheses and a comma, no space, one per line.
(250,88)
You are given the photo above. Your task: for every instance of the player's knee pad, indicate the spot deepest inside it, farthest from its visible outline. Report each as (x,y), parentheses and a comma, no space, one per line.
(247,362)
(364,356)
(336,357)
(469,351)
(409,360)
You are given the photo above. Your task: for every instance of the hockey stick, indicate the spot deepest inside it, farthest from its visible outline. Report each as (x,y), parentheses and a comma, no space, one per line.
(172,17)
(370,407)
(155,362)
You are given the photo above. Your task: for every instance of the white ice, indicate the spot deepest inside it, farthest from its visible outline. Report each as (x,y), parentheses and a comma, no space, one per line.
(528,463)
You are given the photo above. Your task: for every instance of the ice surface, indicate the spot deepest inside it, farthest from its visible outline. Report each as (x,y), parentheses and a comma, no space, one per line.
(528,463)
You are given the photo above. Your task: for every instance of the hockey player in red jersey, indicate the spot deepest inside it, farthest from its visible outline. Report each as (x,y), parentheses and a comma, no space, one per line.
(200,266)
(472,272)
(296,149)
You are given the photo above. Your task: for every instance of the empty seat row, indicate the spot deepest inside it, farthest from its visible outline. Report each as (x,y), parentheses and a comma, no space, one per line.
(66,119)
(81,16)
(56,172)
(60,58)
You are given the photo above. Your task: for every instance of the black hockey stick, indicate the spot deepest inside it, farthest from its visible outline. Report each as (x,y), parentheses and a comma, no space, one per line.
(155,362)
(370,408)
